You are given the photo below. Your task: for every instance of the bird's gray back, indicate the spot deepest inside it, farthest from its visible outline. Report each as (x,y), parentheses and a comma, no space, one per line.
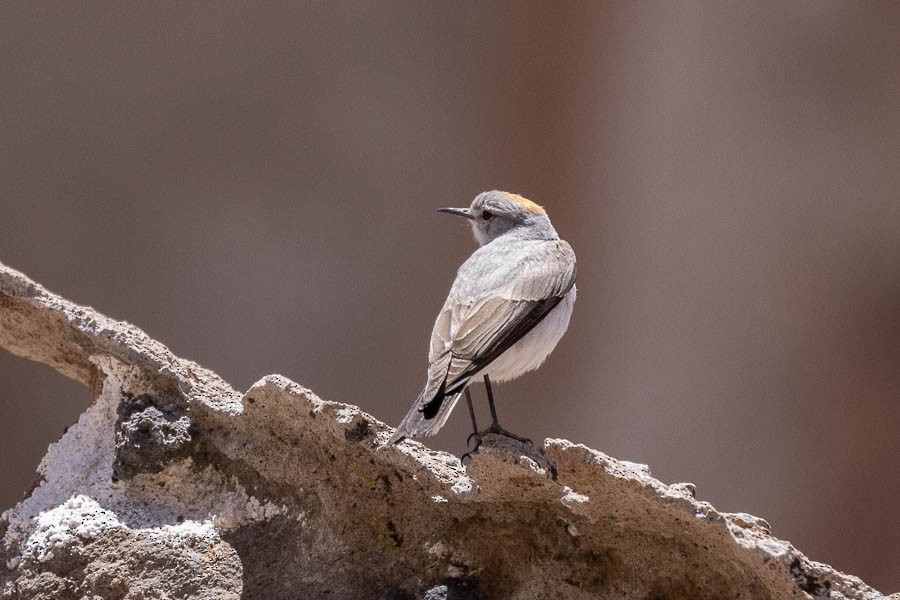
(514,270)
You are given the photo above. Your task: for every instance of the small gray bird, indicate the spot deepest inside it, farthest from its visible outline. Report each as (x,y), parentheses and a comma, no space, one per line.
(509,306)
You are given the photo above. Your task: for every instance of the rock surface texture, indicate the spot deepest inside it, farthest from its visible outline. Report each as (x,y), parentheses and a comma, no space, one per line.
(174,485)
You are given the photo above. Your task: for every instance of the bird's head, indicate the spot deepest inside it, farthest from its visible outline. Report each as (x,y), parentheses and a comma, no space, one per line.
(497,213)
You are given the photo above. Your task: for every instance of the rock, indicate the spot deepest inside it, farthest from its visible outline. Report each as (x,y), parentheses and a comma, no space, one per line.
(173,485)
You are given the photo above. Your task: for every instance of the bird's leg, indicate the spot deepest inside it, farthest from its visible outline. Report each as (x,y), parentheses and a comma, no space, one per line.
(495,424)
(474,421)
(475,433)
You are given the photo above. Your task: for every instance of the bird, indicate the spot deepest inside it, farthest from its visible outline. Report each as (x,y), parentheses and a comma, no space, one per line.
(507,309)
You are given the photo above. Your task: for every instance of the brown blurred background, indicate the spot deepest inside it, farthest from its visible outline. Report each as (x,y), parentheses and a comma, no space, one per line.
(255,186)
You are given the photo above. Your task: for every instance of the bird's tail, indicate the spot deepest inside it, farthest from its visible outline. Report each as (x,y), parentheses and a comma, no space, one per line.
(426,420)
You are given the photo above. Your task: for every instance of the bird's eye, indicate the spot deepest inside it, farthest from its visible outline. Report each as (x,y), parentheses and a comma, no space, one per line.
(487,215)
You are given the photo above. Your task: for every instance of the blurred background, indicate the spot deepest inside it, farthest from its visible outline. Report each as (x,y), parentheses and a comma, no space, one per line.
(256,187)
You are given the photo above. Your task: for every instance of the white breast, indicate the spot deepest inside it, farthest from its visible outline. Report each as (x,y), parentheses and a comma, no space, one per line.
(531,351)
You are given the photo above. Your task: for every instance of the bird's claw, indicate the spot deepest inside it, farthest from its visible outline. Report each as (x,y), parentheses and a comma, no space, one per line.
(477,435)
(468,455)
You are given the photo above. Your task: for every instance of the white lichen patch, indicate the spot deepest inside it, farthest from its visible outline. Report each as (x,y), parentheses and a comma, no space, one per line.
(438,592)
(640,468)
(346,414)
(182,534)
(438,498)
(463,487)
(570,496)
(531,465)
(78,517)
(775,547)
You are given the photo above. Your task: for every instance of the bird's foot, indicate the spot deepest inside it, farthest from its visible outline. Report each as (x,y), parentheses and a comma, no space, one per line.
(479,437)
(495,428)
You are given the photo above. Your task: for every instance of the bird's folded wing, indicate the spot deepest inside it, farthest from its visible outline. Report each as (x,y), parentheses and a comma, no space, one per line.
(475,333)
(497,298)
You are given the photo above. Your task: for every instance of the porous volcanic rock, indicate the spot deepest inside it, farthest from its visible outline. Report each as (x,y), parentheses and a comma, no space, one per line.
(173,485)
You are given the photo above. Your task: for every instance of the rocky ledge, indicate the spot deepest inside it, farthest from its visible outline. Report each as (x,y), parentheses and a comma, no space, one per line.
(173,485)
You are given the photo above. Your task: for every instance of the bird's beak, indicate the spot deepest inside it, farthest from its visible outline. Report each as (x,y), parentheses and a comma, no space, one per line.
(460,212)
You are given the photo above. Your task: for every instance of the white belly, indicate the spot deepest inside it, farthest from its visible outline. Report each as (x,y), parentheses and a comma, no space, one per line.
(531,351)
